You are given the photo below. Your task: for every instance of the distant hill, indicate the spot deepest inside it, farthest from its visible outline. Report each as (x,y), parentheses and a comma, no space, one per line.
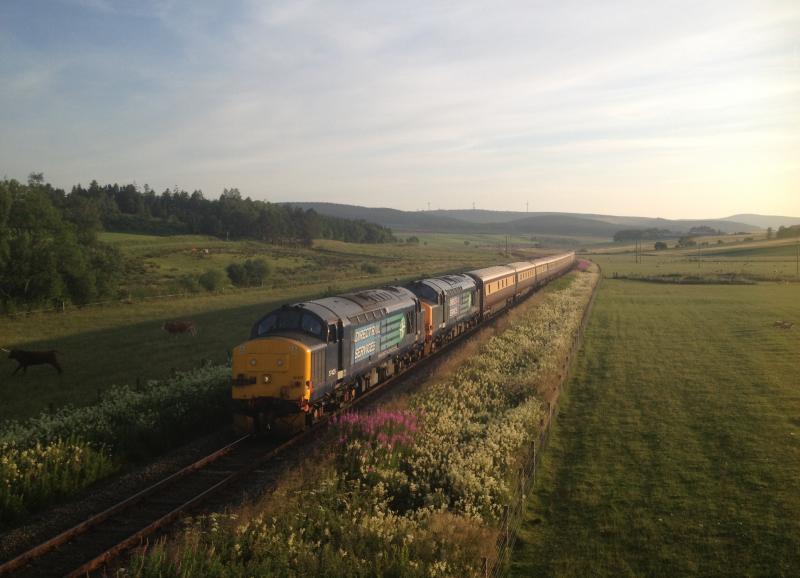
(764,221)
(483,221)
(406,220)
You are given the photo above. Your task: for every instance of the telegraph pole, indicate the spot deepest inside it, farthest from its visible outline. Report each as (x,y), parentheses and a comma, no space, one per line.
(797,259)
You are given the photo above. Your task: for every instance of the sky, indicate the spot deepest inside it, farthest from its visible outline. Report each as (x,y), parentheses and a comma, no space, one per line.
(675,109)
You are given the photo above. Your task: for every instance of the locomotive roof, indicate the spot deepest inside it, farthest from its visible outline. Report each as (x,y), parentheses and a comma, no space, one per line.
(448,283)
(491,273)
(356,306)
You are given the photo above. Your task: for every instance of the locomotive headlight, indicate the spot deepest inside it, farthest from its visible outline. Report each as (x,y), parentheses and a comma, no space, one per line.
(267,379)
(253,362)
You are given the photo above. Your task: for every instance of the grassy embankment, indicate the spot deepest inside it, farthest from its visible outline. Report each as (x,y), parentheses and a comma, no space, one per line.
(119,343)
(677,449)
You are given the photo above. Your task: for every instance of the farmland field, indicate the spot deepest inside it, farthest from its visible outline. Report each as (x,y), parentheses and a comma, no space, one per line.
(765,260)
(677,448)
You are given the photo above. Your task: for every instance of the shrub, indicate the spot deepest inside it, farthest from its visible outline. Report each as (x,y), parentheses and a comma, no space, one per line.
(211,280)
(237,274)
(370,269)
(257,270)
(250,273)
(188,283)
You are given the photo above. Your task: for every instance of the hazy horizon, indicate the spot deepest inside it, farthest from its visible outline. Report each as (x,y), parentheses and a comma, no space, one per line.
(675,110)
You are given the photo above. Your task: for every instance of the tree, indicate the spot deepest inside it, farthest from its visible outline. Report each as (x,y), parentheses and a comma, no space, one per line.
(211,280)
(232,194)
(256,271)
(250,273)
(660,245)
(237,274)
(35,179)
(769,233)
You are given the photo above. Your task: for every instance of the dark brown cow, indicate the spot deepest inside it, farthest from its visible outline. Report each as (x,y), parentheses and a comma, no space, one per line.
(26,358)
(179,327)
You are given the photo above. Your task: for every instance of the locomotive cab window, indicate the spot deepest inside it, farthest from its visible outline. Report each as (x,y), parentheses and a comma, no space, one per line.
(311,324)
(291,320)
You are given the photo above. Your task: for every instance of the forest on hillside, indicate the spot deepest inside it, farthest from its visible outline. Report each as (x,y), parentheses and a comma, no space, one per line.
(50,252)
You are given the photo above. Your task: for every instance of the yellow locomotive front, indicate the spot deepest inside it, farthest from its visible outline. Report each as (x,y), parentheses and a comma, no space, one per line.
(271,383)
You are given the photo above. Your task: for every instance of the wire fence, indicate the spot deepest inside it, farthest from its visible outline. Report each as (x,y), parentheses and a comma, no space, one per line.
(526,479)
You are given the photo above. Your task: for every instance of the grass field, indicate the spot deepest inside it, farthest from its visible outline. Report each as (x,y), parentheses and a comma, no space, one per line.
(161,265)
(771,260)
(677,448)
(118,343)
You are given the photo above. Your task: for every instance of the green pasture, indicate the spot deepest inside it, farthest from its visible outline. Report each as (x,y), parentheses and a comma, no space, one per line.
(766,260)
(122,341)
(709,243)
(676,451)
(497,242)
(162,265)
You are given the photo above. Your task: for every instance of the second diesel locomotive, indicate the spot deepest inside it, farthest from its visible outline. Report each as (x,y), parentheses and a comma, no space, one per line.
(309,358)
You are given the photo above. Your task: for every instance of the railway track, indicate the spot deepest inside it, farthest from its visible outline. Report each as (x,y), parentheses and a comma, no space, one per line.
(91,544)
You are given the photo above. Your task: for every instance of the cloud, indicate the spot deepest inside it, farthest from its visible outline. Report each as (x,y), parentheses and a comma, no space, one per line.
(392,103)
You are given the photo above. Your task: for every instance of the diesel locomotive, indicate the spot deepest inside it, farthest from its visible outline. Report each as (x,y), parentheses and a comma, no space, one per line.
(309,358)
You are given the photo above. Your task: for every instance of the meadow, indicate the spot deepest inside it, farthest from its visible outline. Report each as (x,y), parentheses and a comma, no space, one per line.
(121,342)
(767,261)
(677,447)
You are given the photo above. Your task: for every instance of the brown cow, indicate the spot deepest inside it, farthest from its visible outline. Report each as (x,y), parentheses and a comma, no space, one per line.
(26,358)
(178,327)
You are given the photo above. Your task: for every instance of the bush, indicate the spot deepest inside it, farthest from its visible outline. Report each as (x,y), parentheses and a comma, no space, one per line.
(211,280)
(370,269)
(188,283)
(252,272)
(257,270)
(660,246)
(237,274)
